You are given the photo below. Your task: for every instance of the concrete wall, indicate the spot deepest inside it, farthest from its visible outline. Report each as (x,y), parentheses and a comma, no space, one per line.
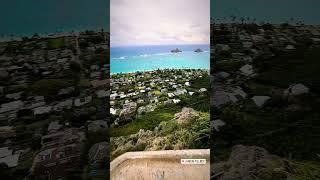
(160,165)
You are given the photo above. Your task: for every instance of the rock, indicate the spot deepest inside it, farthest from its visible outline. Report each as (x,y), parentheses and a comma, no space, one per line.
(186,115)
(66,91)
(222,75)
(82,101)
(245,163)
(198,50)
(67,104)
(290,47)
(296,89)
(99,153)
(247,70)
(260,100)
(15,105)
(54,127)
(216,124)
(220,98)
(238,91)
(128,112)
(102,93)
(14,96)
(176,50)
(4,74)
(97,125)
(42,110)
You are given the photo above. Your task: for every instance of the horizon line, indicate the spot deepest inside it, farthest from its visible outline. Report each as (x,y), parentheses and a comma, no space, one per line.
(141,45)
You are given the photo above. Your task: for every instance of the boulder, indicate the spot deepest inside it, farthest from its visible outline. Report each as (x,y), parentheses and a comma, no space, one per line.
(260,100)
(128,111)
(297,89)
(220,98)
(216,124)
(198,50)
(54,127)
(176,50)
(99,153)
(42,110)
(222,75)
(14,105)
(245,163)
(186,115)
(247,70)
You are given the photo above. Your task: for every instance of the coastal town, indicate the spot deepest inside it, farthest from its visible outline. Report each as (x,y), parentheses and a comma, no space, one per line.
(143,104)
(265,98)
(54,94)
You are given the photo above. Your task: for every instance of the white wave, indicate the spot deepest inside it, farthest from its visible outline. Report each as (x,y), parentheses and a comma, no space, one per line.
(144,55)
(120,58)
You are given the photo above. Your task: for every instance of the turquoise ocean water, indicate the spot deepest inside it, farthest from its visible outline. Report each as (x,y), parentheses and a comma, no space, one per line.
(26,17)
(146,58)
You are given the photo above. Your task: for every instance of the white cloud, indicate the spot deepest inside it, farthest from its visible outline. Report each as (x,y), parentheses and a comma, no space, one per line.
(141,22)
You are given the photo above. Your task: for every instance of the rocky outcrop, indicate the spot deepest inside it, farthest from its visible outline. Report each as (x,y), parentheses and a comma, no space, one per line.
(99,152)
(128,112)
(198,50)
(260,100)
(186,115)
(296,89)
(176,50)
(247,163)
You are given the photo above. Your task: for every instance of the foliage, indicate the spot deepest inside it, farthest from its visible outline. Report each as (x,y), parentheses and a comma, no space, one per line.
(48,87)
(148,121)
(56,43)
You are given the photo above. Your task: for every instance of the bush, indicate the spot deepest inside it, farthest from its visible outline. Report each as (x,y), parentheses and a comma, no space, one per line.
(49,87)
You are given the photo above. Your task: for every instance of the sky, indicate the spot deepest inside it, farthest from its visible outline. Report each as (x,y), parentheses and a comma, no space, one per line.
(159,22)
(26,17)
(274,11)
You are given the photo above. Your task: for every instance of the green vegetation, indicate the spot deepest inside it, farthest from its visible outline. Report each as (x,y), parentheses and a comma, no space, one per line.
(198,101)
(285,126)
(228,65)
(56,43)
(300,66)
(168,135)
(148,121)
(49,87)
(202,82)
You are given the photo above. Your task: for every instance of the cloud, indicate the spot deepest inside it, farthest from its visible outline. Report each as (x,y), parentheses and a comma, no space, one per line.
(142,22)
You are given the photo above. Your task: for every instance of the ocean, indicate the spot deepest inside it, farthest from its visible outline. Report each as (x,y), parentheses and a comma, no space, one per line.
(273,11)
(24,18)
(153,57)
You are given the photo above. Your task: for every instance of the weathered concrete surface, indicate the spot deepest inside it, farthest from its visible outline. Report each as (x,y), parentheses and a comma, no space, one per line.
(160,165)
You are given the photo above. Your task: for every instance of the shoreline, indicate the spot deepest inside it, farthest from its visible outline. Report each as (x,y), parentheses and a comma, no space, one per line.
(154,70)
(8,38)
